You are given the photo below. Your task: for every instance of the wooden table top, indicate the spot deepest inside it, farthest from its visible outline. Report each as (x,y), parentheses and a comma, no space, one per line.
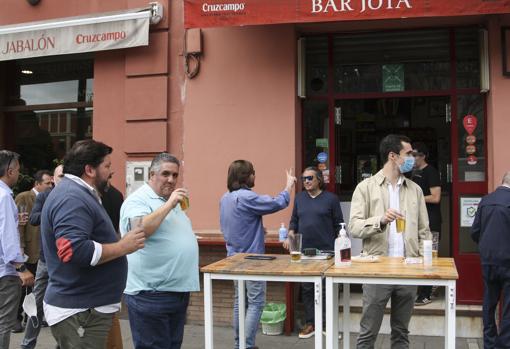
(394,267)
(281,265)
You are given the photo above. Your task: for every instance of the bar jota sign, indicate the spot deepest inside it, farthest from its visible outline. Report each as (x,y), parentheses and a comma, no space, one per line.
(219,13)
(74,39)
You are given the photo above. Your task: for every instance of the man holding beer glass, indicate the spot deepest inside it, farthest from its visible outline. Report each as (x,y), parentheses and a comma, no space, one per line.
(378,203)
(162,275)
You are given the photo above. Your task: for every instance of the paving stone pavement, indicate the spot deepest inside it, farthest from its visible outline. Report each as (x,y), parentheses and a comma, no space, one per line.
(194,339)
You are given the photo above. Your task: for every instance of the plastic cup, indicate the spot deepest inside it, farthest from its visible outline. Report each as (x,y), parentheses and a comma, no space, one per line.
(295,242)
(135,222)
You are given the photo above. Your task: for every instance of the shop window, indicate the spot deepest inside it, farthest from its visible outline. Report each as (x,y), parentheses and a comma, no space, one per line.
(392,61)
(467,58)
(48,107)
(317,65)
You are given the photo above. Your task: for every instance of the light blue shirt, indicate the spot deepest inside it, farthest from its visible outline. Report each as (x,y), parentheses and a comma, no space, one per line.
(241,214)
(169,260)
(10,249)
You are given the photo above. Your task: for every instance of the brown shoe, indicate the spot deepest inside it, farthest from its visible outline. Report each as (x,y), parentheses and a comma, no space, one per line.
(307,331)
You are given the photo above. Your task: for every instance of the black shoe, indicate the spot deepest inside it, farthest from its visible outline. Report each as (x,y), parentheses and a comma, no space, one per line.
(18,327)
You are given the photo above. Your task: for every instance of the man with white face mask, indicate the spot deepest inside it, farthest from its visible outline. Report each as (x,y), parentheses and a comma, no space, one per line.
(376,204)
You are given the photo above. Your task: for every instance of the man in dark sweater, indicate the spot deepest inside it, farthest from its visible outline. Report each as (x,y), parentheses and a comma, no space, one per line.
(491,230)
(317,216)
(86,262)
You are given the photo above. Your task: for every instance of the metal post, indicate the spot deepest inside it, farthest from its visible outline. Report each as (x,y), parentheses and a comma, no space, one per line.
(208,307)
(242,313)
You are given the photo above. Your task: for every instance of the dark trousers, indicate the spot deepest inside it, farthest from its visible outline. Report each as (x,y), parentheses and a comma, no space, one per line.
(308,295)
(10,289)
(496,283)
(34,324)
(157,319)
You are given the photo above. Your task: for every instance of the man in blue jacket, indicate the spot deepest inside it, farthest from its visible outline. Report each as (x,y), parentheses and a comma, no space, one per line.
(491,230)
(86,261)
(241,211)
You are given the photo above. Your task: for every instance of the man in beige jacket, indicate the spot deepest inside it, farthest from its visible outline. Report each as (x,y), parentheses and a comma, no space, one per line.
(376,203)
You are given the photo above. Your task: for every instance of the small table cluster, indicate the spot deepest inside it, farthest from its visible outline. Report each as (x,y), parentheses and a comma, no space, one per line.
(388,270)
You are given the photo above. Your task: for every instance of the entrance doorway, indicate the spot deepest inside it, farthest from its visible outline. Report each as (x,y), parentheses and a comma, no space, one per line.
(423,84)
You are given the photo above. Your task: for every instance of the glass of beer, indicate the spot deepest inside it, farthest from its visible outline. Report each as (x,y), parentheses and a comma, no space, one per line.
(401,222)
(435,244)
(295,241)
(184,203)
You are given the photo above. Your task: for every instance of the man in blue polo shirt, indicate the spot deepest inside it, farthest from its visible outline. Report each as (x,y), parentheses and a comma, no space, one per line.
(162,275)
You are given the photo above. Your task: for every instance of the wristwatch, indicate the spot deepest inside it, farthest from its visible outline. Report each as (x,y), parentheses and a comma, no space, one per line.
(21,268)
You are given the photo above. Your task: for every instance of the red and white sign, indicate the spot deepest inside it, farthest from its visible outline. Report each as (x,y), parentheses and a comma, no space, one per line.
(472,160)
(26,40)
(470,122)
(222,13)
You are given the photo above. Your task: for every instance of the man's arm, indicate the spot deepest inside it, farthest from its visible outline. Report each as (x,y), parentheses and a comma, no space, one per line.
(476,228)
(423,222)
(360,225)
(434,197)
(35,215)
(152,221)
(131,242)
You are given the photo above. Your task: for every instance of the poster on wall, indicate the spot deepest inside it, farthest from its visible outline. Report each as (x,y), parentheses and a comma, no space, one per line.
(468,207)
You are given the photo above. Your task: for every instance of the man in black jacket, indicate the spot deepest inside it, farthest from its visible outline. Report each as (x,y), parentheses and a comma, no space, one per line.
(491,230)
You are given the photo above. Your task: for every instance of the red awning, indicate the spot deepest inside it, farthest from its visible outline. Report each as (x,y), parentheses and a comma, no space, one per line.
(222,13)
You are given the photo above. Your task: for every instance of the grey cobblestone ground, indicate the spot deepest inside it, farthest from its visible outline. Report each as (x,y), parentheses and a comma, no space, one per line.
(194,339)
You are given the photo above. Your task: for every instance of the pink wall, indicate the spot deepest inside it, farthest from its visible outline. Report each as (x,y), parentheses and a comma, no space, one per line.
(242,105)
(498,105)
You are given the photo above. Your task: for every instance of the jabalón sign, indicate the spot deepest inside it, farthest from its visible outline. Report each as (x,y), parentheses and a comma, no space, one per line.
(107,31)
(220,13)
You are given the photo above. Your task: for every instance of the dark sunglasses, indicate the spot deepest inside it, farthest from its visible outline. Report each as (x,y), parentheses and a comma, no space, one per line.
(307,178)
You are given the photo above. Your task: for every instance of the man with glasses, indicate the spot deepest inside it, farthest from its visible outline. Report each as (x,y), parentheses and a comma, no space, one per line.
(316,216)
(12,267)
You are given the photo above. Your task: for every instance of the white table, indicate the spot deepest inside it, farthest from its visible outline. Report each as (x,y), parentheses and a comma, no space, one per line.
(280,269)
(389,271)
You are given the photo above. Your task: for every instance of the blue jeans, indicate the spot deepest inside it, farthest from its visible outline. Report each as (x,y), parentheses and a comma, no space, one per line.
(34,325)
(496,283)
(255,300)
(157,318)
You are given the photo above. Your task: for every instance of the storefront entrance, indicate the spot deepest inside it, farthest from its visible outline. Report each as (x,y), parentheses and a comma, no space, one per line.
(423,84)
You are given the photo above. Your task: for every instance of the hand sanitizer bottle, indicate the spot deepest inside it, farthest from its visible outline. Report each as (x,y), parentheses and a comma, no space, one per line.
(342,248)
(282,233)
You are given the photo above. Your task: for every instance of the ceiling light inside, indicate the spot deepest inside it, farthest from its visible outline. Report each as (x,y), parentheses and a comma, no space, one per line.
(27,72)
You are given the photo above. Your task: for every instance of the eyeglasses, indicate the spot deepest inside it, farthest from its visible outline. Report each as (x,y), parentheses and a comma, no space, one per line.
(307,178)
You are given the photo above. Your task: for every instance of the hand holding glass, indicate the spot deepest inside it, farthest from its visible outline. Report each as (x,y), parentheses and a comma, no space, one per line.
(22,214)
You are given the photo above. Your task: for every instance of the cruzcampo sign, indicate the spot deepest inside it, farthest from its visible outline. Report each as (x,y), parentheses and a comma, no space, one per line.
(393,77)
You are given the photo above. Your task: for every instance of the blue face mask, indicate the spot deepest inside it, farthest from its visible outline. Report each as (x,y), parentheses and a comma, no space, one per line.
(408,164)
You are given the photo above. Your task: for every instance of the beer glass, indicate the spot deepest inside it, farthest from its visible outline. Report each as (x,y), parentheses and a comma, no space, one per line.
(401,222)
(435,244)
(295,241)
(184,203)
